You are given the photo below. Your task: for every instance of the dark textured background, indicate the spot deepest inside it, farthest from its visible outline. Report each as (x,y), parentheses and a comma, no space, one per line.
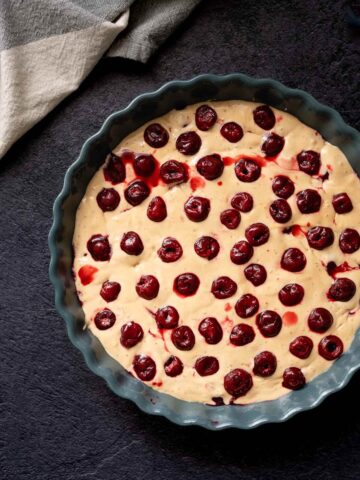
(57,419)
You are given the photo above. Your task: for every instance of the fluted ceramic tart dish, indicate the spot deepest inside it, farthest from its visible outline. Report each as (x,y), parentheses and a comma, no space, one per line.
(205,252)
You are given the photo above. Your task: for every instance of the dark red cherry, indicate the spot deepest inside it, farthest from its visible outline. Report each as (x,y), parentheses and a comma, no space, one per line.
(247,170)
(167,317)
(232,132)
(186,284)
(342,290)
(173,172)
(241,335)
(247,306)
(108,199)
(264,364)
(207,247)
(269,323)
(331,347)
(156,136)
(280,211)
(147,287)
(183,338)
(264,117)
(173,366)
(241,252)
(105,319)
(283,187)
(257,234)
(210,167)
(230,218)
(242,201)
(206,366)
(293,378)
(308,201)
(205,117)
(342,203)
(131,334)
(301,347)
(170,250)
(320,320)
(349,241)
(238,382)
(291,294)
(320,237)
(223,287)
(156,210)
(211,330)
(188,143)
(293,260)
(114,170)
(144,165)
(309,162)
(110,291)
(256,274)
(131,243)
(136,192)
(99,247)
(272,145)
(145,367)
(197,208)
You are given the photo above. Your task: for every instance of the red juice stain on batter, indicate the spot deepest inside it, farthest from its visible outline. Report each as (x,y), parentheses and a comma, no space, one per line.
(219,183)
(227,321)
(290,318)
(329,167)
(197,182)
(157,384)
(279,118)
(227,307)
(86,274)
(333,269)
(295,230)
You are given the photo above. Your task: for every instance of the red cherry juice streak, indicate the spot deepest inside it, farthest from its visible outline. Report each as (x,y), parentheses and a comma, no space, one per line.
(295,230)
(160,336)
(86,274)
(227,321)
(197,182)
(157,384)
(219,183)
(290,318)
(227,307)
(333,269)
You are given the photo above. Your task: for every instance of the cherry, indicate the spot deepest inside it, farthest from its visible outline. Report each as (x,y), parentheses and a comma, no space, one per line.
(342,203)
(264,117)
(257,234)
(320,320)
(205,117)
(108,199)
(145,367)
(280,211)
(173,366)
(131,243)
(188,143)
(167,317)
(349,241)
(269,323)
(309,162)
(247,170)
(301,347)
(156,210)
(272,145)
(99,247)
(173,172)
(331,347)
(197,208)
(210,166)
(293,378)
(114,170)
(293,260)
(110,291)
(264,364)
(170,250)
(104,319)
(144,165)
(283,186)
(242,201)
(241,335)
(207,247)
(183,338)
(320,237)
(256,274)
(223,287)
(131,334)
(186,284)
(147,287)
(342,290)
(291,294)
(232,132)
(238,382)
(136,192)
(206,366)
(156,136)
(211,330)
(230,218)
(308,201)
(247,306)
(241,252)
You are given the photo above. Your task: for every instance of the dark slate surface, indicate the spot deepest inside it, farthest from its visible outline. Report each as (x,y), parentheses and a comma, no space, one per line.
(57,419)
